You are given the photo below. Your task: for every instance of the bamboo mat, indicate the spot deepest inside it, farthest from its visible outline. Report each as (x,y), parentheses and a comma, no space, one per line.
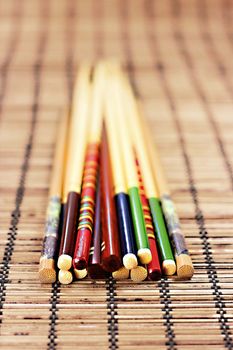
(179,55)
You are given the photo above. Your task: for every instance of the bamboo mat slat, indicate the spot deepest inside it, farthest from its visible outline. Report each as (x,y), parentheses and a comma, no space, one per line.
(179,56)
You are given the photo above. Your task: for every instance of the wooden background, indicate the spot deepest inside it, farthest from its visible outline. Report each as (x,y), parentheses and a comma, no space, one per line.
(179,55)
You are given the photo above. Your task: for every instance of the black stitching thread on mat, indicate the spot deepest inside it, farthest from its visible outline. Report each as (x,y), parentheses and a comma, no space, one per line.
(211,270)
(15,215)
(56,287)
(112,314)
(4,270)
(200,220)
(165,300)
(54,301)
(5,66)
(199,217)
(208,255)
(179,39)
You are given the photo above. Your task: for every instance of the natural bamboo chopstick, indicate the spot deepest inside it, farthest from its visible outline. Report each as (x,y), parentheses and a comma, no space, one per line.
(75,164)
(141,238)
(120,192)
(183,260)
(121,274)
(88,195)
(47,269)
(138,274)
(65,277)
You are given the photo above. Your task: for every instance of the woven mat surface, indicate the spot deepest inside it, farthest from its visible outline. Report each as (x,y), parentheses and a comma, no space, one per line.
(179,55)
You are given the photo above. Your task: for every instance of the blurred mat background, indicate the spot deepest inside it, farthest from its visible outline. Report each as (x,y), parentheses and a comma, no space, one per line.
(179,55)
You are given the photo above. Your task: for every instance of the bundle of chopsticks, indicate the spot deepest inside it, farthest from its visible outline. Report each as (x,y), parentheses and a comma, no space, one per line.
(110,211)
